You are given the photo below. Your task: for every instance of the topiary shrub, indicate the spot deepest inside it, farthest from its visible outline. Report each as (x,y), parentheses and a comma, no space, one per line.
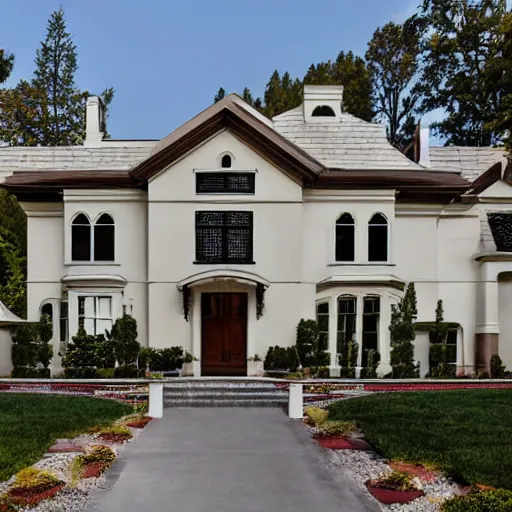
(372,363)
(499,500)
(402,334)
(307,339)
(281,358)
(124,337)
(498,369)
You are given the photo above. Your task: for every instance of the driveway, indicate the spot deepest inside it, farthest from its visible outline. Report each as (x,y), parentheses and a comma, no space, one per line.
(226,460)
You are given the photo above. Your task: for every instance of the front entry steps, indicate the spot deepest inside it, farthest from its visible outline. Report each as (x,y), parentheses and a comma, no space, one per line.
(223,393)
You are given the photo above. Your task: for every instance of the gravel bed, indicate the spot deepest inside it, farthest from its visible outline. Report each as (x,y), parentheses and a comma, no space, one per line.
(368,465)
(71,499)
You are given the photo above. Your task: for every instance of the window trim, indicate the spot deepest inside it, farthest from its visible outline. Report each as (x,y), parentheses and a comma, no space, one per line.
(92,225)
(388,240)
(224,260)
(328,314)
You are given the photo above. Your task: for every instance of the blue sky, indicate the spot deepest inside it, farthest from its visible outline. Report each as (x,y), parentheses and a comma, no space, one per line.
(166,59)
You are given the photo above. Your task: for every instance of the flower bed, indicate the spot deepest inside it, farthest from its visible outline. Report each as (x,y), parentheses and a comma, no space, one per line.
(395,487)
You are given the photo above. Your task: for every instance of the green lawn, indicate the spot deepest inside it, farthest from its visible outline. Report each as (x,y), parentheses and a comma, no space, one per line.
(30,423)
(466,433)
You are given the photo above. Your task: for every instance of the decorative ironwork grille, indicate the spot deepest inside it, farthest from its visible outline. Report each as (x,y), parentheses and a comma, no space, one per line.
(501,227)
(224,237)
(224,183)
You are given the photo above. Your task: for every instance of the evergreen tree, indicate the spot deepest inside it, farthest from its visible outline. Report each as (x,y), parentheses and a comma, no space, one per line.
(50,109)
(402,335)
(462,46)
(219,95)
(6,65)
(393,58)
(352,72)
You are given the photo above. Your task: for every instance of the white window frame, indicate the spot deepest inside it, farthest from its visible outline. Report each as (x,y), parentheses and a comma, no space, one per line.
(96,297)
(92,225)
(388,239)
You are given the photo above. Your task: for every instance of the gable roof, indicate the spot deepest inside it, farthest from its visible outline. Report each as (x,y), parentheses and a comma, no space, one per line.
(346,143)
(240,119)
(470,162)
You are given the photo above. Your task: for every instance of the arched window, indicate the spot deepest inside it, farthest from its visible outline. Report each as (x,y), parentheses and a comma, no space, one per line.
(345,238)
(378,238)
(226,161)
(104,238)
(81,238)
(323,111)
(47,309)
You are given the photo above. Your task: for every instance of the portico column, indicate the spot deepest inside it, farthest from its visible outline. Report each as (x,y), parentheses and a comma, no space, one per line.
(195,319)
(488,327)
(384,335)
(334,369)
(359,333)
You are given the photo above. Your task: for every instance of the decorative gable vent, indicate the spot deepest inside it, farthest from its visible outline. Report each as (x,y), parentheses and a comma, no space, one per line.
(323,103)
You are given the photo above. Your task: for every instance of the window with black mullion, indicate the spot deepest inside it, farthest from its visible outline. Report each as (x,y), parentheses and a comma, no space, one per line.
(224,237)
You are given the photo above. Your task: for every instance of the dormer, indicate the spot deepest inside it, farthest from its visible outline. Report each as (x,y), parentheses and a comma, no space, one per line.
(322,103)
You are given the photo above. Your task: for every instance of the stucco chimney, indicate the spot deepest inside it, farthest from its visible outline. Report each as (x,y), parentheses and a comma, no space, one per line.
(322,103)
(425,147)
(93,121)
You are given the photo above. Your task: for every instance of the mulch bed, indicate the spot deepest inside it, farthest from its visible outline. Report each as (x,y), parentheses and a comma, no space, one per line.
(414,469)
(26,497)
(342,443)
(94,469)
(388,496)
(114,438)
(139,423)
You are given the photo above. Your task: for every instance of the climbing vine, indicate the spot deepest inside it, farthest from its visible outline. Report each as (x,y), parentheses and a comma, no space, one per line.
(260,300)
(187,300)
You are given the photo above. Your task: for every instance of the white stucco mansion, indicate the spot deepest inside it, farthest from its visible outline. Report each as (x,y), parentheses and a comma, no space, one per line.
(224,234)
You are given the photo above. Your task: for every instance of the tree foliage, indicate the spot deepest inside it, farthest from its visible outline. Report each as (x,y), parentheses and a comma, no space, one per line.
(49,110)
(352,72)
(462,45)
(6,65)
(393,59)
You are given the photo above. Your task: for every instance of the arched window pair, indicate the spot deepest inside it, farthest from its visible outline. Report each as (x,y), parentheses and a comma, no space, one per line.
(93,242)
(377,238)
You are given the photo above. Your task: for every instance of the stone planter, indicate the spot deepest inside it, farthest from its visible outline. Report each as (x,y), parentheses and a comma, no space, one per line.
(389,496)
(192,369)
(255,368)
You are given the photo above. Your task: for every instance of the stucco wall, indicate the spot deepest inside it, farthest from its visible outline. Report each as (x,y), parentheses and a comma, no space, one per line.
(505,318)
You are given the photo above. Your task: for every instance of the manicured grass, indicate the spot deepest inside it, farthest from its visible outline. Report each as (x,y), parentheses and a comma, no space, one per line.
(467,433)
(30,423)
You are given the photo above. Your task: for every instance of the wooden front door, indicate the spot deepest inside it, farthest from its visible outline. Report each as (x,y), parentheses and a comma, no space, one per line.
(224,334)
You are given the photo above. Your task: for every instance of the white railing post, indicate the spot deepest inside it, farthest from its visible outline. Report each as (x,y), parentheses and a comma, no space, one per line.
(156,400)
(295,408)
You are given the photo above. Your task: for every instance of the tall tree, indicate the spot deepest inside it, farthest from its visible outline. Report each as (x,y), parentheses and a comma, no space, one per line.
(281,94)
(50,109)
(461,45)
(503,121)
(219,95)
(352,72)
(393,58)
(6,64)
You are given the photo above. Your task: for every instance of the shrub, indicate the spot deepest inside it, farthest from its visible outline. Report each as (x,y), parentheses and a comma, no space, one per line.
(116,430)
(34,479)
(31,349)
(124,337)
(81,373)
(128,371)
(402,336)
(105,373)
(348,358)
(281,358)
(337,428)
(396,481)
(98,454)
(499,500)
(307,338)
(497,367)
(322,372)
(372,363)
(316,415)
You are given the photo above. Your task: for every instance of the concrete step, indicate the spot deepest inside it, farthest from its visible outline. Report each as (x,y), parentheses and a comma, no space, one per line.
(223,393)
(224,402)
(200,384)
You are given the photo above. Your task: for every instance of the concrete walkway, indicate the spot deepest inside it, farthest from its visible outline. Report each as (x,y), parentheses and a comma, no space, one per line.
(226,460)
